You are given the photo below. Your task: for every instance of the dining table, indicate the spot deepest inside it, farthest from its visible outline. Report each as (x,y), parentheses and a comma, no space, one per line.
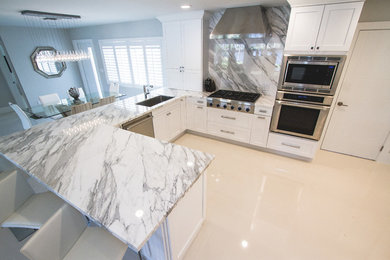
(64,108)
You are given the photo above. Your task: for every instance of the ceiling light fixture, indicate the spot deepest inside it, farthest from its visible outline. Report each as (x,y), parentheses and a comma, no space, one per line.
(36,20)
(185,6)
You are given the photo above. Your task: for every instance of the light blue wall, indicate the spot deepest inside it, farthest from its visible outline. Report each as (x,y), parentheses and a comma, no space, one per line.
(138,29)
(5,93)
(20,45)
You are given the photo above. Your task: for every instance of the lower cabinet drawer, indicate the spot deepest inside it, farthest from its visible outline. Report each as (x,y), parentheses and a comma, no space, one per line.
(294,145)
(229,132)
(231,118)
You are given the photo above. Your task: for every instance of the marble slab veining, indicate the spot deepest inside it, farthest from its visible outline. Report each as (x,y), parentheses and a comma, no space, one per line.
(124,181)
(251,65)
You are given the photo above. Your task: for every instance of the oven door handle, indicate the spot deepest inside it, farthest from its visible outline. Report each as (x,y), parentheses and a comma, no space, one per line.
(296,104)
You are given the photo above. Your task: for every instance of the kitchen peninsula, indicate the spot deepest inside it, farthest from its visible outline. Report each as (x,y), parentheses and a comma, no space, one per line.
(126,182)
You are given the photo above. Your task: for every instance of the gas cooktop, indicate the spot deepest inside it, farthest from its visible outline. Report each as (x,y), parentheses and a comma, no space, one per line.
(236,95)
(233,100)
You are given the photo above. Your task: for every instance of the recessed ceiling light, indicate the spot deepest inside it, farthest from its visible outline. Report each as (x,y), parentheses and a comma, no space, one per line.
(185,6)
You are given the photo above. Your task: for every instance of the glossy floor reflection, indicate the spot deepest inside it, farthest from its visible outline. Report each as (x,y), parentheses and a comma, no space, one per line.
(265,206)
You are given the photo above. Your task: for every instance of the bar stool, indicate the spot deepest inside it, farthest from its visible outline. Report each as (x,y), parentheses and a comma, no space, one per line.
(20,207)
(66,236)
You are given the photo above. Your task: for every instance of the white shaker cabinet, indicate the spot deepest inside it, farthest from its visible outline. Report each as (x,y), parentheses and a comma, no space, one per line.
(322,28)
(167,122)
(260,130)
(303,28)
(183,50)
(197,114)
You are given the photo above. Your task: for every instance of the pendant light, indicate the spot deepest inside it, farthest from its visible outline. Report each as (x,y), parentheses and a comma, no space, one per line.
(48,25)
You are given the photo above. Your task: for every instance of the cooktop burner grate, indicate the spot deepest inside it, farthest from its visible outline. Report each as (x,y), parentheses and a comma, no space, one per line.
(236,95)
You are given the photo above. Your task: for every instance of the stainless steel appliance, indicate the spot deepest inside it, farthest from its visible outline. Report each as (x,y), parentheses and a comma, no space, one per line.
(141,125)
(233,100)
(311,74)
(305,93)
(300,114)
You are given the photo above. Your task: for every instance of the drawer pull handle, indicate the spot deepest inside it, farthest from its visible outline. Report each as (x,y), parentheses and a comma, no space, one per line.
(292,145)
(200,102)
(168,114)
(261,117)
(227,132)
(262,111)
(228,117)
(200,107)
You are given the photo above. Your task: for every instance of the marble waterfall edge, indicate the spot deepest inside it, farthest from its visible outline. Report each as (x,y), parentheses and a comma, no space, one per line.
(251,65)
(126,182)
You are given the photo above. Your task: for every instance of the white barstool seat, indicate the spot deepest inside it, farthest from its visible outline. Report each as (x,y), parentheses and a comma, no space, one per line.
(66,236)
(26,122)
(20,207)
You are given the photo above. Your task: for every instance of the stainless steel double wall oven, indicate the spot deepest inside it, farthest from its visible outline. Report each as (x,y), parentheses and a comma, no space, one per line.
(305,93)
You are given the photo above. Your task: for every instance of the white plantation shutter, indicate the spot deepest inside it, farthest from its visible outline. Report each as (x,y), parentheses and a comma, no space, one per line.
(153,60)
(110,63)
(122,59)
(138,63)
(133,62)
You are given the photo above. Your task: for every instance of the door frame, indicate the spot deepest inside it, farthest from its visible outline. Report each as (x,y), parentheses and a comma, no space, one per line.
(81,68)
(366,26)
(20,100)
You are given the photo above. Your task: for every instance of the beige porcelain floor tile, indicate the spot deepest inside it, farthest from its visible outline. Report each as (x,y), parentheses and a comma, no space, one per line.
(265,206)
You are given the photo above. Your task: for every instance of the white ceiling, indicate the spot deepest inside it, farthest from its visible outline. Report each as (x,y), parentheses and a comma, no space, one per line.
(95,12)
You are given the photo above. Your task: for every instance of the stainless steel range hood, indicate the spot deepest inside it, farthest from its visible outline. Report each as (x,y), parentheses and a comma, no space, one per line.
(242,22)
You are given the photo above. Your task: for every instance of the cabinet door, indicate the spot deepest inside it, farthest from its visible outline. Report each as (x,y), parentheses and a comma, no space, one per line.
(161,129)
(192,80)
(192,45)
(172,45)
(197,118)
(173,120)
(260,130)
(173,78)
(303,28)
(338,26)
(183,112)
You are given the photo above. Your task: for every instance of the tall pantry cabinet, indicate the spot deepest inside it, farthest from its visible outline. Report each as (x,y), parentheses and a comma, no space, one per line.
(184,48)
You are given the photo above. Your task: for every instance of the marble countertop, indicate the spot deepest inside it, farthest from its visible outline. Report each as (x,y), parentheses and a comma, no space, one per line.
(124,181)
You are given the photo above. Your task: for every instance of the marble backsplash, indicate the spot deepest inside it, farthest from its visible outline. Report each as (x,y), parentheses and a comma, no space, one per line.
(251,65)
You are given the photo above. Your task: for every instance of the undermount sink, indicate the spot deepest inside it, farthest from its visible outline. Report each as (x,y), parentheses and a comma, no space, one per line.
(154,101)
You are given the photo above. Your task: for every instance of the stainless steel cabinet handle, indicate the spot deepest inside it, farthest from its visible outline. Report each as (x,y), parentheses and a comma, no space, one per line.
(200,102)
(169,113)
(262,111)
(228,117)
(200,107)
(341,104)
(292,145)
(227,132)
(261,117)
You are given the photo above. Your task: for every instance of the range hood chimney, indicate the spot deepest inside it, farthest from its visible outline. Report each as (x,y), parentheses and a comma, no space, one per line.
(242,22)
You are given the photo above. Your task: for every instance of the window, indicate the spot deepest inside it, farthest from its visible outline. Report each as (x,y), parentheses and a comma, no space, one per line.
(133,62)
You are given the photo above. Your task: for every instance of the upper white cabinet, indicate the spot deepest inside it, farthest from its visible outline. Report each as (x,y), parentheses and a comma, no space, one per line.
(322,28)
(183,50)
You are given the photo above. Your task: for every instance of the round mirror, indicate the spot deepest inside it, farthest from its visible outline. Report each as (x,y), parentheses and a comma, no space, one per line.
(48,69)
